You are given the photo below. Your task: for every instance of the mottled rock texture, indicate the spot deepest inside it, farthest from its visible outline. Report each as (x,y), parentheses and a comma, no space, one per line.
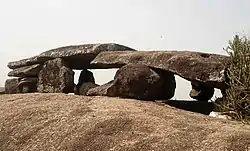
(11,86)
(138,82)
(27,71)
(192,66)
(77,56)
(56,77)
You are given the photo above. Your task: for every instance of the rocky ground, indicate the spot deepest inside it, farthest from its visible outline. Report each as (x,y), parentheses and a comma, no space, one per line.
(69,122)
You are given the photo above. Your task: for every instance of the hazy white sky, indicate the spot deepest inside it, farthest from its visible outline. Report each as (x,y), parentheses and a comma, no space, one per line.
(29,27)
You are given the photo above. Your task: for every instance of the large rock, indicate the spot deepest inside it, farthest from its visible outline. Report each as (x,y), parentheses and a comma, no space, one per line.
(78,56)
(11,86)
(56,77)
(169,84)
(86,76)
(75,123)
(27,71)
(138,82)
(28,85)
(201,92)
(193,66)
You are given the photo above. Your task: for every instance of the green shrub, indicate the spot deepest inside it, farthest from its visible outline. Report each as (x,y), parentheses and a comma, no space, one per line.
(237,100)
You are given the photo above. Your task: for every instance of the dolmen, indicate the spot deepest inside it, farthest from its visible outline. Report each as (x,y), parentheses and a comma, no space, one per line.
(143,75)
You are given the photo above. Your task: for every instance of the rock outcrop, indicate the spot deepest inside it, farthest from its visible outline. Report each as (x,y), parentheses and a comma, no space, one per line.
(192,66)
(56,77)
(77,56)
(11,86)
(70,122)
(27,71)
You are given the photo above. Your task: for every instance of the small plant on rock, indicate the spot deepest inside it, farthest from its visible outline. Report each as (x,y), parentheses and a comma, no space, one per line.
(236,103)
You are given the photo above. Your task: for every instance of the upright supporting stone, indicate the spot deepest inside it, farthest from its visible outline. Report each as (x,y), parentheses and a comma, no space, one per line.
(169,84)
(201,92)
(86,76)
(86,81)
(56,77)
(11,86)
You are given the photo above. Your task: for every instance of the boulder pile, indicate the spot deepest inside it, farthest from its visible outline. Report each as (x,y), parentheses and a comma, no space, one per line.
(143,75)
(52,70)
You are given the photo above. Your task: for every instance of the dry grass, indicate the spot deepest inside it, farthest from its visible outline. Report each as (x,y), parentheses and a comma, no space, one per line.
(237,100)
(68,122)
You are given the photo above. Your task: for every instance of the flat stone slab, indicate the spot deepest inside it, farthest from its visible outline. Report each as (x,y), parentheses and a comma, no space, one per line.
(192,66)
(77,56)
(27,71)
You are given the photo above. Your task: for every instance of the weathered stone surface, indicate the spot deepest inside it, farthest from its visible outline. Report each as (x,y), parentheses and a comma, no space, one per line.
(101,90)
(11,86)
(56,77)
(27,71)
(140,82)
(193,66)
(77,56)
(201,92)
(85,87)
(28,85)
(49,122)
(26,62)
(2,90)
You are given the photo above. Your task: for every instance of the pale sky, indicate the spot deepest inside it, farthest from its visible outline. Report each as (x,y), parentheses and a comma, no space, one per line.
(29,27)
